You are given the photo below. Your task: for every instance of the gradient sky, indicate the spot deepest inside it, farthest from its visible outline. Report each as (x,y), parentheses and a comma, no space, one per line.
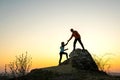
(39,26)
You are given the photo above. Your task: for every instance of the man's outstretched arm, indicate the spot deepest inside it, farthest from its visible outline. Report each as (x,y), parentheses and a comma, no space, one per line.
(66,44)
(70,38)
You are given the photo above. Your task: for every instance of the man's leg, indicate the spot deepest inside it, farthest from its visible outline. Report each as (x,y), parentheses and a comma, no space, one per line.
(74,44)
(81,43)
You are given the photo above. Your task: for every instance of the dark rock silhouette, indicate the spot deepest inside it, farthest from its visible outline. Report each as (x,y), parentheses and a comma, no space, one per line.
(80,66)
(81,60)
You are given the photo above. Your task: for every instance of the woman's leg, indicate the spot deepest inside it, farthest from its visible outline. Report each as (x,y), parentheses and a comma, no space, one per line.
(60,58)
(66,54)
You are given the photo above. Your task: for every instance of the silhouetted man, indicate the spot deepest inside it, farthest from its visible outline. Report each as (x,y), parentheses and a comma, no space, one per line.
(77,38)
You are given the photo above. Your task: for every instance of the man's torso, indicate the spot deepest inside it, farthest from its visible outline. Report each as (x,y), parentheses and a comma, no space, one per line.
(76,34)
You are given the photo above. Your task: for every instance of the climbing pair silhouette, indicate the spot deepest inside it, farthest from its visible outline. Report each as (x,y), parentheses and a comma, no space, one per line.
(77,38)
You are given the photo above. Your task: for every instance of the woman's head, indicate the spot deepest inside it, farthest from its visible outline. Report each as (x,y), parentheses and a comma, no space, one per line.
(62,43)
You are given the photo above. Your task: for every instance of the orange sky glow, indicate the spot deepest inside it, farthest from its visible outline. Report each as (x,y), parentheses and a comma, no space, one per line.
(39,27)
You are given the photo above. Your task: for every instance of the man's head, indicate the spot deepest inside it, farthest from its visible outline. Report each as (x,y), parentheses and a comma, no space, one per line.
(71,30)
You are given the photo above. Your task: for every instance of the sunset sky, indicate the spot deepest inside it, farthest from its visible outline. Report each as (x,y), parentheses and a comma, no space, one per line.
(39,27)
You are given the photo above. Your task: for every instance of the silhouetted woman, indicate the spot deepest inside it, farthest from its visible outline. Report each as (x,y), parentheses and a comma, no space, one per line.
(62,51)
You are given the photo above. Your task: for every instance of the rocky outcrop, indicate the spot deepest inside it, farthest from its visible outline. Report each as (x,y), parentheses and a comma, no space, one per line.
(82,60)
(80,66)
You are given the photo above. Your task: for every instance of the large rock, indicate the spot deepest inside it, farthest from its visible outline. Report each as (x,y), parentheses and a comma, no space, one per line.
(80,66)
(81,60)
